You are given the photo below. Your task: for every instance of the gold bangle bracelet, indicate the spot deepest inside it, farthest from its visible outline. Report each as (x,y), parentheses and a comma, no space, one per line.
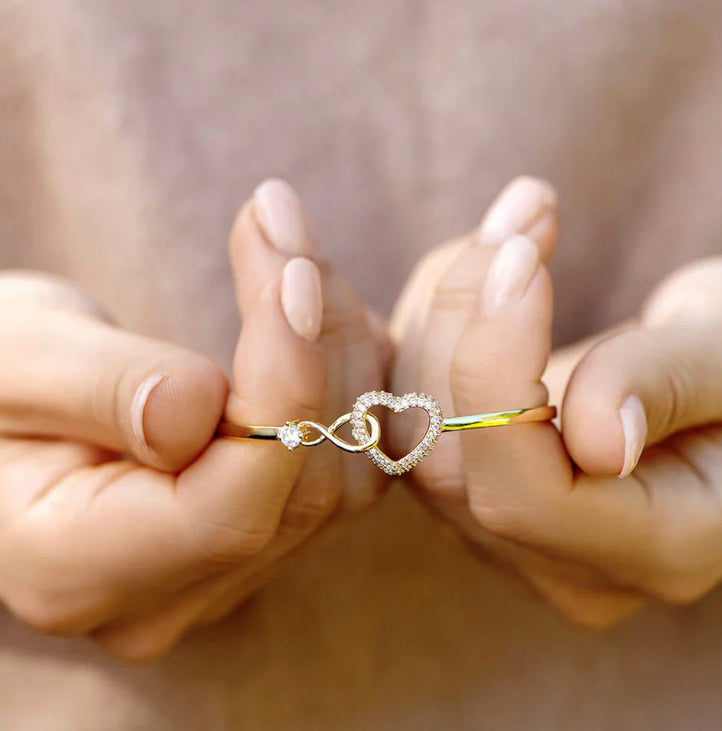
(367,429)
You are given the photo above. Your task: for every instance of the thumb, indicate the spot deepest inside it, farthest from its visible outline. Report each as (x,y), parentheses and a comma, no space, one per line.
(67,374)
(638,388)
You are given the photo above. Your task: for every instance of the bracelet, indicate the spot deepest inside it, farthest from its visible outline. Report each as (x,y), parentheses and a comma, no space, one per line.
(366,428)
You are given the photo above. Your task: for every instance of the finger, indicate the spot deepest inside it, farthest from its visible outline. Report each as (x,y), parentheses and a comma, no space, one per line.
(147,634)
(526,204)
(354,361)
(66,373)
(271,227)
(563,361)
(280,374)
(497,366)
(691,293)
(657,530)
(412,310)
(581,594)
(249,578)
(639,387)
(587,606)
(144,639)
(21,288)
(380,333)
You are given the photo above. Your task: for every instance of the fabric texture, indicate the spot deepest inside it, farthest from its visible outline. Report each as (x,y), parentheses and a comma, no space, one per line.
(130,132)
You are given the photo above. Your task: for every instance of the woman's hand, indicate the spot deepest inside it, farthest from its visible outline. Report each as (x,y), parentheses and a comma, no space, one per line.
(121,517)
(579,515)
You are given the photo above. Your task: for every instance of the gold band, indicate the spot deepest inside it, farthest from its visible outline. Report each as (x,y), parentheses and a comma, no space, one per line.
(229,429)
(455,423)
(367,429)
(499,418)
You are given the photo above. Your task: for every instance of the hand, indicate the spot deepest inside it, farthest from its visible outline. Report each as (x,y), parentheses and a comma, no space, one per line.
(121,517)
(473,329)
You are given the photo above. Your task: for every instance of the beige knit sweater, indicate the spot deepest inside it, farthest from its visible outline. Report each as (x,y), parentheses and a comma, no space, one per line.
(130,131)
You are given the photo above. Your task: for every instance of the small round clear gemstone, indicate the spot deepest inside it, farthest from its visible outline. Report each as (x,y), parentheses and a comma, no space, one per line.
(290,436)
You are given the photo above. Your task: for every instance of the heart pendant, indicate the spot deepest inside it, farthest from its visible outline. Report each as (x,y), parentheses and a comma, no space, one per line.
(397,404)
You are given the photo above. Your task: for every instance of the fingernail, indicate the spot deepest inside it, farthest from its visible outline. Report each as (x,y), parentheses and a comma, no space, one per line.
(510,273)
(516,210)
(301,298)
(634,426)
(140,401)
(280,215)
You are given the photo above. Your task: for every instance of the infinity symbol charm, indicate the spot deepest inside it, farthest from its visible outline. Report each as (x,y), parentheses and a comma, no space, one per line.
(330,433)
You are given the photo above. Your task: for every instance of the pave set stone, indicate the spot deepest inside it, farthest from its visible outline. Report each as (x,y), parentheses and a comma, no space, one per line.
(397,404)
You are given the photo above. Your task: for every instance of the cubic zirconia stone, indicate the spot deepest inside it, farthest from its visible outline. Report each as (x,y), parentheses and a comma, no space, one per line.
(290,436)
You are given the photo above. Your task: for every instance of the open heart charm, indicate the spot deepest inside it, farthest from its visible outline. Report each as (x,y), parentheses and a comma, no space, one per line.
(397,404)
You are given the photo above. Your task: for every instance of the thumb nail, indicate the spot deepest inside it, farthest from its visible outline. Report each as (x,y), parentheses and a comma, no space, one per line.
(140,401)
(634,426)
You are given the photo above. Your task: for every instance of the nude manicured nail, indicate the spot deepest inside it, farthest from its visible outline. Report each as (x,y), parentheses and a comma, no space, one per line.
(140,400)
(510,273)
(280,215)
(301,298)
(634,426)
(516,210)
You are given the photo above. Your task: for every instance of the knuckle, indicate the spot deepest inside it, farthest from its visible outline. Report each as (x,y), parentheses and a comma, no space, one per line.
(587,607)
(137,649)
(344,318)
(438,260)
(301,396)
(307,514)
(436,479)
(47,290)
(453,299)
(582,615)
(46,616)
(480,372)
(347,328)
(676,579)
(103,399)
(224,544)
(467,374)
(309,403)
(676,593)
(680,393)
(208,377)
(501,520)
(678,589)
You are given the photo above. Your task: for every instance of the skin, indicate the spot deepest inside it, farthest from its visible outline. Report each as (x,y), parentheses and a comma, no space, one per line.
(546,504)
(134,552)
